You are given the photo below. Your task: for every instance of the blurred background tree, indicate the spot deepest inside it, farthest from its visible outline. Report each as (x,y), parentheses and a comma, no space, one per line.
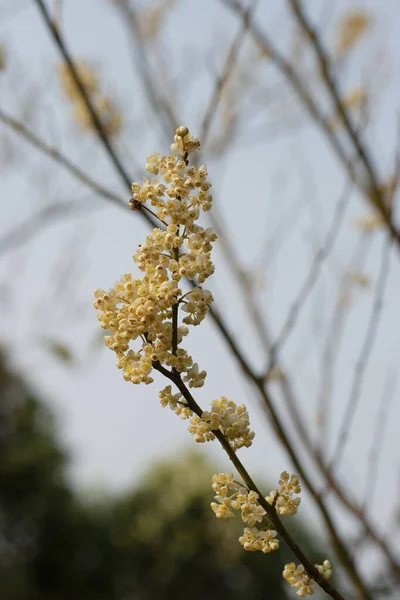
(160,540)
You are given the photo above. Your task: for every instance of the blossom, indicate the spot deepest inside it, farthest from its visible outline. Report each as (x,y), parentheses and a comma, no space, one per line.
(194,377)
(231,495)
(228,492)
(257,539)
(325,569)
(251,511)
(175,401)
(299,579)
(201,430)
(184,143)
(138,312)
(227,417)
(283,497)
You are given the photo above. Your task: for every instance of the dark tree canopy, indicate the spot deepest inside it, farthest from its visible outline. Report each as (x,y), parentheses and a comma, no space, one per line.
(160,540)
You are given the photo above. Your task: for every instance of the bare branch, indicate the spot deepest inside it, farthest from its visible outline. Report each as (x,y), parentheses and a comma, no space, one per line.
(370,189)
(373,189)
(227,71)
(334,338)
(98,125)
(311,278)
(362,362)
(378,439)
(32,225)
(162,108)
(55,155)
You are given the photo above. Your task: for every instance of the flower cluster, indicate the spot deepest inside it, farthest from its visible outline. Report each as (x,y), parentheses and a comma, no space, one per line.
(283,497)
(257,539)
(230,496)
(176,402)
(239,499)
(325,569)
(230,419)
(299,579)
(146,311)
(110,115)
(142,310)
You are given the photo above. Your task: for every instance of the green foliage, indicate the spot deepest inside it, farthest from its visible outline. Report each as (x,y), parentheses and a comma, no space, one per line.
(158,541)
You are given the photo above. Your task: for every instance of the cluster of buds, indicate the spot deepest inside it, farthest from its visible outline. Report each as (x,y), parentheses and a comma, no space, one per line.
(283,497)
(227,417)
(299,579)
(231,496)
(141,310)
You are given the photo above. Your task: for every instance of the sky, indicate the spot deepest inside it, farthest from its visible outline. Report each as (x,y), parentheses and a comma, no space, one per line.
(280,176)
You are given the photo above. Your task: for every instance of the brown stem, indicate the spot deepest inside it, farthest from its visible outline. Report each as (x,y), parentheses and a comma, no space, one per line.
(270,510)
(175,308)
(338,543)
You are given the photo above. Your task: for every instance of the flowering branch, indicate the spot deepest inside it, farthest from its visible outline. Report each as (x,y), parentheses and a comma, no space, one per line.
(147,309)
(219,321)
(270,509)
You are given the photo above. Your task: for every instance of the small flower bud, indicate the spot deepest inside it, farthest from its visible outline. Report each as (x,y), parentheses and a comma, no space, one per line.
(182,131)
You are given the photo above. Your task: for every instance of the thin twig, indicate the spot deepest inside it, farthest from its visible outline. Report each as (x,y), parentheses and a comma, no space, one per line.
(363,359)
(33,224)
(301,89)
(226,74)
(333,339)
(374,190)
(61,159)
(98,125)
(378,439)
(162,108)
(311,278)
(296,83)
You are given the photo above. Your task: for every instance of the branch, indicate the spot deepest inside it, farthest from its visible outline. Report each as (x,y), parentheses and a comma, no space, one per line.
(98,125)
(311,278)
(301,89)
(55,155)
(28,228)
(166,115)
(362,362)
(374,190)
(333,340)
(284,438)
(378,438)
(270,510)
(226,74)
